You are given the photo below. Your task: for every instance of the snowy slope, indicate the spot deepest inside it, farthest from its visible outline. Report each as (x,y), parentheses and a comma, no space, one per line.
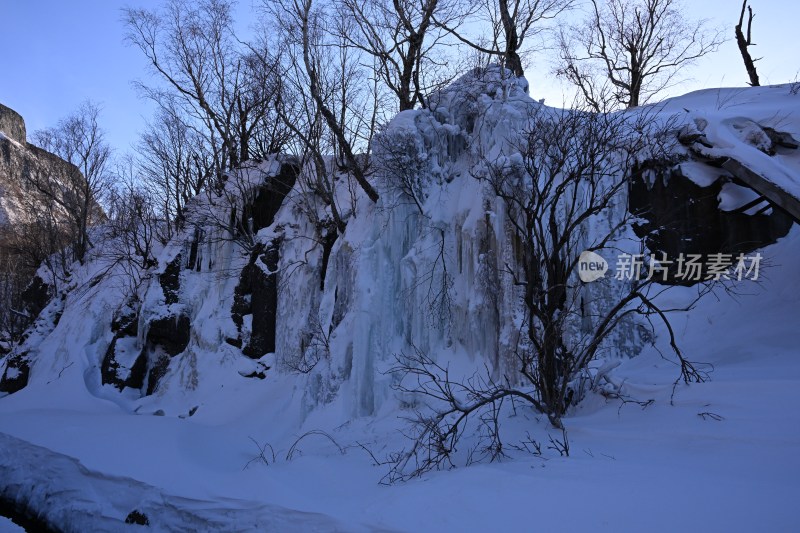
(660,468)
(717,456)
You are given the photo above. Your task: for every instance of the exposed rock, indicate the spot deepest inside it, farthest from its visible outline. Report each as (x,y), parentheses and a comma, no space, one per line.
(16,375)
(36,296)
(235,342)
(684,218)
(257,295)
(12,124)
(110,369)
(270,196)
(170,280)
(20,164)
(138,518)
(242,294)
(327,245)
(126,324)
(260,372)
(169,332)
(157,371)
(197,237)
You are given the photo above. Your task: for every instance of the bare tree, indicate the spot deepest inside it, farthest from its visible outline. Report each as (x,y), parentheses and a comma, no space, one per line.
(79,140)
(14,276)
(175,162)
(309,23)
(133,227)
(565,196)
(745,43)
(303,26)
(402,37)
(225,85)
(512,24)
(636,46)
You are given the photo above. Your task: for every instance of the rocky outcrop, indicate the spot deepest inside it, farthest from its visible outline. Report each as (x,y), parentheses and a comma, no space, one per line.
(257,291)
(170,280)
(20,164)
(12,124)
(257,295)
(36,295)
(270,196)
(116,368)
(16,374)
(170,333)
(680,204)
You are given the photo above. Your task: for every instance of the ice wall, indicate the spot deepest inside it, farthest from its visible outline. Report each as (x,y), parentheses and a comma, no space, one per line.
(421,270)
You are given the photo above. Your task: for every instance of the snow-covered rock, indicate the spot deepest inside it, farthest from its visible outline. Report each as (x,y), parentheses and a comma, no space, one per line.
(286,325)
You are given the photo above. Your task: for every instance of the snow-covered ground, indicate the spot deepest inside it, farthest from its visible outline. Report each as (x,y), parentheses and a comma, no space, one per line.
(212,450)
(661,468)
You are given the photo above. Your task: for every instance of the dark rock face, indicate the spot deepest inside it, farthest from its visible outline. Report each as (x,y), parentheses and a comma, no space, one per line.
(21,164)
(138,518)
(109,369)
(12,124)
(270,196)
(16,375)
(264,301)
(257,291)
(257,295)
(197,237)
(36,296)
(169,332)
(684,218)
(327,246)
(170,280)
(166,337)
(157,371)
(21,161)
(124,326)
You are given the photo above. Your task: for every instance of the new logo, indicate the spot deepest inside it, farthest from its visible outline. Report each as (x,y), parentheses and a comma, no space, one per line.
(591,267)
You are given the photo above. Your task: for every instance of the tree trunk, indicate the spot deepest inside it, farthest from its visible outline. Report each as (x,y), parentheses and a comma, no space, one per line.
(512,59)
(745,43)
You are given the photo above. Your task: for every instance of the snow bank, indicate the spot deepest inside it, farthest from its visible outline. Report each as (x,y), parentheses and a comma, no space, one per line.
(61,492)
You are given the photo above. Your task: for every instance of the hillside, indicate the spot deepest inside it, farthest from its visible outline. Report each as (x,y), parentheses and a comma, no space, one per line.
(249,381)
(24,212)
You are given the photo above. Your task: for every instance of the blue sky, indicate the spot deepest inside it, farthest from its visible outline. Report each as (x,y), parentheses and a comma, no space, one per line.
(55,54)
(58,53)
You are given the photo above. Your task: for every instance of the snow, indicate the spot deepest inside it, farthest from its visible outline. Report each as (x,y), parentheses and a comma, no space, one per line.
(732,121)
(74,498)
(659,468)
(5,137)
(7,526)
(718,456)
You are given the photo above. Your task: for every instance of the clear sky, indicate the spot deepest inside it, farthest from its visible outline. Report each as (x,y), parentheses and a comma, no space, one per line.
(56,53)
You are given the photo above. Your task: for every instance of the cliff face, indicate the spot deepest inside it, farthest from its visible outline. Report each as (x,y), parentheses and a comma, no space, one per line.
(328,313)
(22,163)
(20,160)
(12,124)
(285,339)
